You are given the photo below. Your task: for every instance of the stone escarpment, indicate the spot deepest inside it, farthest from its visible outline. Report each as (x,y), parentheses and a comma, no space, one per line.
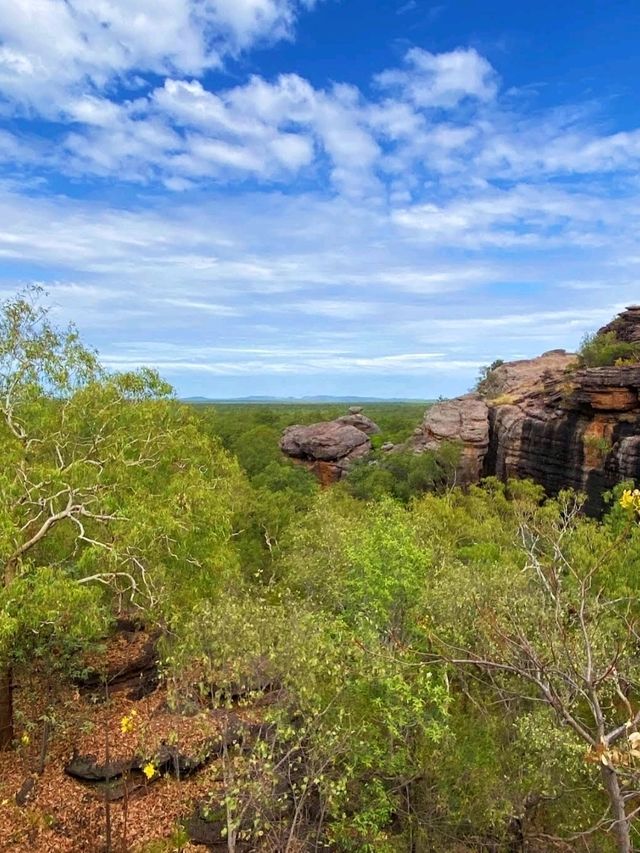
(330,447)
(548,420)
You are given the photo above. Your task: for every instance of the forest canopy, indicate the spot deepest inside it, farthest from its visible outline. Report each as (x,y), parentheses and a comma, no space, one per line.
(413,666)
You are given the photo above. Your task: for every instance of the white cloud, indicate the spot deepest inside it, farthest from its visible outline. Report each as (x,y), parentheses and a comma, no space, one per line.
(442,80)
(58,48)
(522,215)
(435,128)
(383,220)
(208,307)
(234,361)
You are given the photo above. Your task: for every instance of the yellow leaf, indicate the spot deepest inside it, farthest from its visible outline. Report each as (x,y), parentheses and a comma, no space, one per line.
(149,770)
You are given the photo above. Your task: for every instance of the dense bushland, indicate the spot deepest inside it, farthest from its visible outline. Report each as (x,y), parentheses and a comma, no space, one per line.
(447,670)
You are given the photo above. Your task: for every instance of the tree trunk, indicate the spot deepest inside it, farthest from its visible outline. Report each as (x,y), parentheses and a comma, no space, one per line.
(620,826)
(6,707)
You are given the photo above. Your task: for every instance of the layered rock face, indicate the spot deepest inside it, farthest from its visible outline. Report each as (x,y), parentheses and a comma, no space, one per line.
(626,326)
(549,421)
(329,448)
(464,420)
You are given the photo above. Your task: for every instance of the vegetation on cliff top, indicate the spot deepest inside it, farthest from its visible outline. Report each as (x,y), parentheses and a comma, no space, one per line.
(604,349)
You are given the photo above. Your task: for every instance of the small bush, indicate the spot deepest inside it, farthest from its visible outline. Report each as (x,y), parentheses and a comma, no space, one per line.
(599,445)
(604,350)
(487,383)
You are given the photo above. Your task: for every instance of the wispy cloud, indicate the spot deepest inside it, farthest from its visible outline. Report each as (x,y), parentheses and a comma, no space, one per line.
(411,226)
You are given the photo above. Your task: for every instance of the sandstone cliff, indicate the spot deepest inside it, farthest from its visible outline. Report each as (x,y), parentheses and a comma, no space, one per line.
(549,420)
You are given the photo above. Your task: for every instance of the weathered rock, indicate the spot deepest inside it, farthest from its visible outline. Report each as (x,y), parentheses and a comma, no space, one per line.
(464,420)
(528,377)
(138,674)
(329,448)
(119,778)
(626,325)
(355,410)
(549,421)
(361,422)
(328,442)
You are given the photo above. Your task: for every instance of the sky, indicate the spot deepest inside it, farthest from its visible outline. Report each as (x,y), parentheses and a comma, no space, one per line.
(302,197)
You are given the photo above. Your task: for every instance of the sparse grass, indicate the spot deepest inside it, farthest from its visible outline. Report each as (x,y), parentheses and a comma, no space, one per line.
(503,400)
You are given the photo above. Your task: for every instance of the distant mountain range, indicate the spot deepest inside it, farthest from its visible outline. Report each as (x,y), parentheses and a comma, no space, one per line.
(316,399)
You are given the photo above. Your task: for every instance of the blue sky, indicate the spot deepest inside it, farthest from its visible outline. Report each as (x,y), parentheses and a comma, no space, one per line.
(296,197)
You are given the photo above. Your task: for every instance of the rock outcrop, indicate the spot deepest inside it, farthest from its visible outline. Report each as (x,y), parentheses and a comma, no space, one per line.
(626,326)
(464,420)
(548,420)
(361,422)
(328,448)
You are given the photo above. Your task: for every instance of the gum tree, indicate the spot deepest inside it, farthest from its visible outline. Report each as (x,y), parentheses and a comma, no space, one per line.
(110,495)
(551,619)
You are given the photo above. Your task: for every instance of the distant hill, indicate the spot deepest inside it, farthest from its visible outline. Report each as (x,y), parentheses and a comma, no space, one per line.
(310,400)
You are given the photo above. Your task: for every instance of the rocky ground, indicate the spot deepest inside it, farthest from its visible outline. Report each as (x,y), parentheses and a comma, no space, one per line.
(121,756)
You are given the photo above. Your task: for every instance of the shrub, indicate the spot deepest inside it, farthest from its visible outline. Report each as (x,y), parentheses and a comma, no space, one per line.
(604,350)
(503,400)
(599,445)
(487,382)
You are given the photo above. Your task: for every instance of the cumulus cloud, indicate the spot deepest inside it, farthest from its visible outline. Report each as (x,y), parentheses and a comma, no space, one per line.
(58,48)
(442,80)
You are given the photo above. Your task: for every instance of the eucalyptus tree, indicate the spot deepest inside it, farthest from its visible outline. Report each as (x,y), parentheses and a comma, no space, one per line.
(110,494)
(542,606)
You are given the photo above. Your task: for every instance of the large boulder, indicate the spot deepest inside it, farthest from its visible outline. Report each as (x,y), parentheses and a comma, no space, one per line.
(329,442)
(327,448)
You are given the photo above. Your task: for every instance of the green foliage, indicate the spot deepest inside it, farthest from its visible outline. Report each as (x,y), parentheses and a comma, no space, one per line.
(111,496)
(257,449)
(604,350)
(352,711)
(403,475)
(53,617)
(278,491)
(598,444)
(446,667)
(232,422)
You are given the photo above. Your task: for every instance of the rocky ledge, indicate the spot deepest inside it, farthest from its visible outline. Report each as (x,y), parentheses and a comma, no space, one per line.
(328,448)
(548,420)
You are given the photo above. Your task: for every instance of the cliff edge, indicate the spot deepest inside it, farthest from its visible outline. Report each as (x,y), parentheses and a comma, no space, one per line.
(550,420)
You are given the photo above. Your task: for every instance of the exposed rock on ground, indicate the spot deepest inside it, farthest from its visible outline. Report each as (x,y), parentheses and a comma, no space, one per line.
(328,448)
(549,421)
(135,669)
